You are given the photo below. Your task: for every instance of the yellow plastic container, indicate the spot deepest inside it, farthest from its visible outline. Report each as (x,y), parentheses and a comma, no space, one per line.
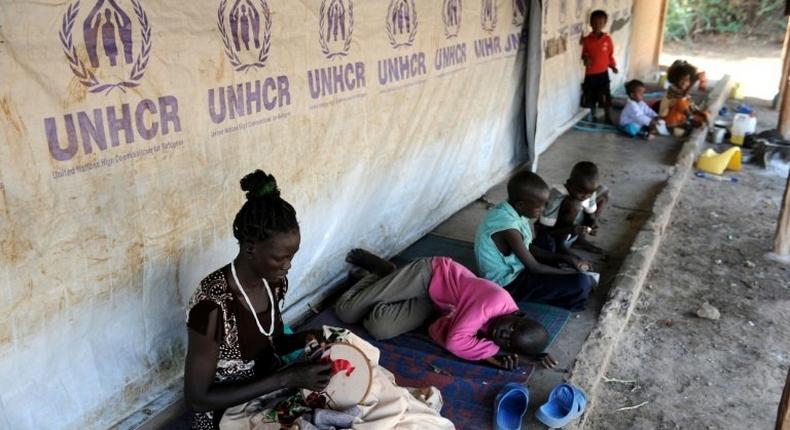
(742,124)
(662,80)
(737,91)
(712,162)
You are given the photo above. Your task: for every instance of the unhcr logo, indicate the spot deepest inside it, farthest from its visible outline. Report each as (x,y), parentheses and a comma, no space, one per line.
(519,12)
(246,32)
(579,8)
(335,26)
(108,37)
(488,18)
(451,17)
(401,23)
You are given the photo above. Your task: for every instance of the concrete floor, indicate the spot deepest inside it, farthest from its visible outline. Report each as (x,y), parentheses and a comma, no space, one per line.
(635,171)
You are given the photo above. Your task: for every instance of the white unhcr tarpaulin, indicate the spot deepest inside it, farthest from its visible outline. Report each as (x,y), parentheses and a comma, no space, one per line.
(564,23)
(127,125)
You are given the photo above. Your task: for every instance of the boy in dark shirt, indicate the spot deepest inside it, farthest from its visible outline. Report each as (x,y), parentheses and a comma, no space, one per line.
(572,210)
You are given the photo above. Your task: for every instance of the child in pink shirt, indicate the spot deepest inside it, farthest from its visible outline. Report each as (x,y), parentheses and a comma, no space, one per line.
(473,318)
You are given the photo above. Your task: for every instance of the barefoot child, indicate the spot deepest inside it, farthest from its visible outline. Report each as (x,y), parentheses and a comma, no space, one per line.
(638,119)
(598,58)
(472,318)
(572,211)
(505,255)
(677,108)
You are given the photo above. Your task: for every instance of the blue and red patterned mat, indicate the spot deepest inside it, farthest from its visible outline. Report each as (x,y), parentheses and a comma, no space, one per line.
(468,388)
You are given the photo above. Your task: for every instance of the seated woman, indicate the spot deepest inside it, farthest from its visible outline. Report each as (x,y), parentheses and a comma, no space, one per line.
(234,324)
(474,319)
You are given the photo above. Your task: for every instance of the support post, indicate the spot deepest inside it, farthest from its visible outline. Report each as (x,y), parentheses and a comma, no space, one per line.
(785,60)
(782,238)
(783,417)
(784,104)
(661,28)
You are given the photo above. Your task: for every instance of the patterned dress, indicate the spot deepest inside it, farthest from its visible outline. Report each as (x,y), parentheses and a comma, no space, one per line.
(240,342)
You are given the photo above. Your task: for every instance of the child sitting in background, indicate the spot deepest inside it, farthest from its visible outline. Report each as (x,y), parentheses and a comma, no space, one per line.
(506,256)
(637,118)
(698,78)
(572,211)
(598,58)
(677,108)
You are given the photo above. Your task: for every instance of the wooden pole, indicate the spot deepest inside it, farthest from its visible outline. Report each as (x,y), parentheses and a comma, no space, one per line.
(782,238)
(784,104)
(785,60)
(660,40)
(783,417)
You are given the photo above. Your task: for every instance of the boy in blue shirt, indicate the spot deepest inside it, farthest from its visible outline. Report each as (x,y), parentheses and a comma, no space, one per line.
(505,256)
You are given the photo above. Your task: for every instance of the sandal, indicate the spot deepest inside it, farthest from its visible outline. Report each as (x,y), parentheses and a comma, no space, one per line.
(510,407)
(566,403)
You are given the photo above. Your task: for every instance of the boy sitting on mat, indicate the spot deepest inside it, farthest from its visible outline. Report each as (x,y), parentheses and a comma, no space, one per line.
(637,118)
(506,256)
(472,318)
(572,212)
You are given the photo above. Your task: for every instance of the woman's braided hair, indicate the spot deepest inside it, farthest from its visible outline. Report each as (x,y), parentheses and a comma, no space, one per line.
(264,213)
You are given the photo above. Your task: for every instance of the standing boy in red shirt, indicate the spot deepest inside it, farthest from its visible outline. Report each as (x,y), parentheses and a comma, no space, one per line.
(598,58)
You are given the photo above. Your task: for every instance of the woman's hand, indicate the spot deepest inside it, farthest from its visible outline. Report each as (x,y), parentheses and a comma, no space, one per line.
(314,335)
(312,376)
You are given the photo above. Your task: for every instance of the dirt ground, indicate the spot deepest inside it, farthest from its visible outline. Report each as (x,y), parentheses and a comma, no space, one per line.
(688,372)
(755,64)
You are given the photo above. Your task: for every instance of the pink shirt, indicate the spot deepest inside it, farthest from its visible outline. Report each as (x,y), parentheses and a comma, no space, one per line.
(466,303)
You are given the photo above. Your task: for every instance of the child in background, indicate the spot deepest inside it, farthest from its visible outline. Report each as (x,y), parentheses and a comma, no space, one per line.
(506,256)
(572,212)
(677,108)
(698,78)
(598,58)
(637,119)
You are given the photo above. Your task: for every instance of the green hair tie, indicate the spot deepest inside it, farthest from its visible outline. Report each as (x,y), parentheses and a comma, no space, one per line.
(269,189)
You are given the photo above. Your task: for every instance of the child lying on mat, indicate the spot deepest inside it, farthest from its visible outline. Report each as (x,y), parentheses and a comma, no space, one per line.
(572,212)
(506,256)
(472,318)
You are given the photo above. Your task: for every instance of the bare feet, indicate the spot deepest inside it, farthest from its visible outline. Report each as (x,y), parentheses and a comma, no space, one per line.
(370,262)
(585,245)
(356,274)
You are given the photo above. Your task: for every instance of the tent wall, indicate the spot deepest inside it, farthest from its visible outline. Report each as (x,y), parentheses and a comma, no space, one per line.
(564,23)
(127,125)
